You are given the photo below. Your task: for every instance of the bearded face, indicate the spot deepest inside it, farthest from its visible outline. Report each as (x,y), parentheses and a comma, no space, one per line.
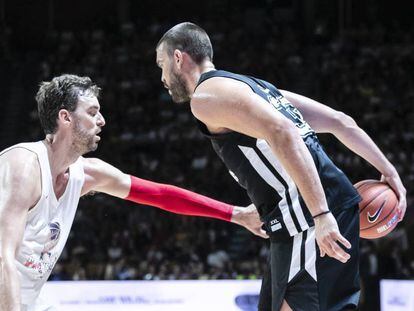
(171,77)
(84,140)
(177,88)
(87,124)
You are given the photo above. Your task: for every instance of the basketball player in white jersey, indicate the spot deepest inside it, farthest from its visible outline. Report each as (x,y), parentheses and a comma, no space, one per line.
(41,183)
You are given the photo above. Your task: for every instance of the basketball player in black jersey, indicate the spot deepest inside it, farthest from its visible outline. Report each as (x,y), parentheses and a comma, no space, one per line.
(267,139)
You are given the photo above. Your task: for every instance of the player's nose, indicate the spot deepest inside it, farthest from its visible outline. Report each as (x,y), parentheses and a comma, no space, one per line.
(101,121)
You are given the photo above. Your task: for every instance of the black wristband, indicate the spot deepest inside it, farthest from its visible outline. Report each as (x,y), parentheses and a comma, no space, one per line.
(320,214)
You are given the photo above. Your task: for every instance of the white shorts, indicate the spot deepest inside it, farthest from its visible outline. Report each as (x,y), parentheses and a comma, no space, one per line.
(39,305)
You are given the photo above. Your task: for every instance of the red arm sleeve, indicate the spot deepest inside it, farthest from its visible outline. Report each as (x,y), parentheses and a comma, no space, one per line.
(177,200)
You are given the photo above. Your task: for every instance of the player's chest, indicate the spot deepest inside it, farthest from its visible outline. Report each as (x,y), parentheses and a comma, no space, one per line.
(60,185)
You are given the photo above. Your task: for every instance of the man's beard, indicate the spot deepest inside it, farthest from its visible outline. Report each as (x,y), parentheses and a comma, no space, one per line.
(179,92)
(83,142)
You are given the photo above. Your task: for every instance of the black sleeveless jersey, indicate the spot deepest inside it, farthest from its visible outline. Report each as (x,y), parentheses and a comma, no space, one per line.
(257,169)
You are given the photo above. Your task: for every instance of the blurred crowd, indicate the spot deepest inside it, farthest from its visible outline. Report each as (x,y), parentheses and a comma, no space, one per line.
(365,72)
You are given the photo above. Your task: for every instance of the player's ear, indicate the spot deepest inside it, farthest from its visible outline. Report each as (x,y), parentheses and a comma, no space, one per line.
(178,58)
(64,117)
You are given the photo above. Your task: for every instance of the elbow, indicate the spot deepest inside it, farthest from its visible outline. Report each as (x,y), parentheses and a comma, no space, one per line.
(343,122)
(283,132)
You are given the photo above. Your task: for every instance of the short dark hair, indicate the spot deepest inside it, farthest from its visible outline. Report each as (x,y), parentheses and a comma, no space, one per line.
(61,93)
(189,38)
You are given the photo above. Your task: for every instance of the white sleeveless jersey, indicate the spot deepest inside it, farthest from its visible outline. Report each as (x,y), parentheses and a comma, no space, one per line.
(48,225)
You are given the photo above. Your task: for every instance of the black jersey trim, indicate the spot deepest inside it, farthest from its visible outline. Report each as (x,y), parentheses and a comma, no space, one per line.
(303,250)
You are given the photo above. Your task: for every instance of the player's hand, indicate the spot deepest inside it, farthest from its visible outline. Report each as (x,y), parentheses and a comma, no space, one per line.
(396,184)
(328,238)
(248,217)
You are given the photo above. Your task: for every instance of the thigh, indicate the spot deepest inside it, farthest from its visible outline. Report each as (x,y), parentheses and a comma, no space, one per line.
(292,261)
(338,283)
(309,282)
(302,294)
(285,257)
(265,298)
(302,290)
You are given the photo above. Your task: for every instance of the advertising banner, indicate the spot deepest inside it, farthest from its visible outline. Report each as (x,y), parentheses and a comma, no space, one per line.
(226,295)
(397,295)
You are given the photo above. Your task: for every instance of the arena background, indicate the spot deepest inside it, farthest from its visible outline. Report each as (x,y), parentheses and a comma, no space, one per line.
(356,56)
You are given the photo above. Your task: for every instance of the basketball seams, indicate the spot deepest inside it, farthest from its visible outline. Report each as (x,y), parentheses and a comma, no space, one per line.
(359,186)
(375,196)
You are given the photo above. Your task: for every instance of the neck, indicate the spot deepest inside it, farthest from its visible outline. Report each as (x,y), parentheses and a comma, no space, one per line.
(60,153)
(199,70)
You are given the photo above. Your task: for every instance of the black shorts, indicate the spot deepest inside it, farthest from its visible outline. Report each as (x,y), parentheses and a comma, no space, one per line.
(307,281)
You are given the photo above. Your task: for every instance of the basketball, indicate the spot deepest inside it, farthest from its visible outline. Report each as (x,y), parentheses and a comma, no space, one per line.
(377,210)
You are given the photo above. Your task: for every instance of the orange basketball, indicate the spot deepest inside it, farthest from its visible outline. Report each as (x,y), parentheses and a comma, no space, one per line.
(377,210)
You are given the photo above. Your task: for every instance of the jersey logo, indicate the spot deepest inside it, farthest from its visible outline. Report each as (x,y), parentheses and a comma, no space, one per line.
(54,235)
(44,263)
(373,218)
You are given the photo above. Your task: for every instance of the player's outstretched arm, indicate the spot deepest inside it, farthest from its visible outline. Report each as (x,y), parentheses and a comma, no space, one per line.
(223,104)
(324,119)
(103,177)
(20,190)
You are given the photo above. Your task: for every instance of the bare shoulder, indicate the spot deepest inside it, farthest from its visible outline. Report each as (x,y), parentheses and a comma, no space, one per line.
(20,175)
(220,102)
(99,174)
(17,153)
(92,165)
(217,97)
(219,89)
(93,169)
(20,161)
(95,166)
